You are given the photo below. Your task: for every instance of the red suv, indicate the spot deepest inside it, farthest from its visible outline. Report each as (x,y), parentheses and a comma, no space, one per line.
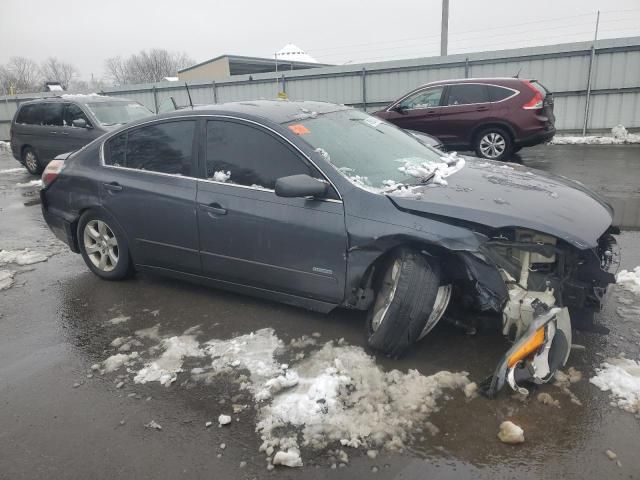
(493,116)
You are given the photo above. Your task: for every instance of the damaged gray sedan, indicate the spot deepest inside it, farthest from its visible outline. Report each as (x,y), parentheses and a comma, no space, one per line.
(323,206)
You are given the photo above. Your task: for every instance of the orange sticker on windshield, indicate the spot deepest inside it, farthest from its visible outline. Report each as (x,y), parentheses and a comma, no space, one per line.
(298,129)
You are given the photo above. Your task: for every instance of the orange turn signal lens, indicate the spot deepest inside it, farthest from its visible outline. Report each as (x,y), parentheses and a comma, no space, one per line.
(527,348)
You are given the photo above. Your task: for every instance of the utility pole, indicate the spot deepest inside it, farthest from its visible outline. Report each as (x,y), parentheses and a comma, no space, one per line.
(444,30)
(590,75)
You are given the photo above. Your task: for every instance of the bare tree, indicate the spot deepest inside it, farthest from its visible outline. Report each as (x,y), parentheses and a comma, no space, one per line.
(20,75)
(54,70)
(146,66)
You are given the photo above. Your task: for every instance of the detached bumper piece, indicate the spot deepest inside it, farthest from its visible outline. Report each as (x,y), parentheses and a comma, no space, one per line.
(536,355)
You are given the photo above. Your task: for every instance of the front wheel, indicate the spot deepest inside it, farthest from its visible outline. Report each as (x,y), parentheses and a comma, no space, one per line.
(103,246)
(406,291)
(493,143)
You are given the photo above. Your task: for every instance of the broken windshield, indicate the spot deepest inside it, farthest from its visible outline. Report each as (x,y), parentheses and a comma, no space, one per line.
(371,152)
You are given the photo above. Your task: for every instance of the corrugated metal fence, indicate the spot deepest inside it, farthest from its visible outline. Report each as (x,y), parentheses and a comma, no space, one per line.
(564,69)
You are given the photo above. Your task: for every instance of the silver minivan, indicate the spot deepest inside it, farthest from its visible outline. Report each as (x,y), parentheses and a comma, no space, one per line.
(44,128)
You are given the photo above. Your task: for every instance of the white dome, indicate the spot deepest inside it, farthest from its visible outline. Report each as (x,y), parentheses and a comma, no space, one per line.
(294,53)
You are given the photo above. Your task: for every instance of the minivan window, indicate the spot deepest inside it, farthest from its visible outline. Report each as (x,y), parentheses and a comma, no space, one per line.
(246,155)
(467,93)
(163,147)
(49,114)
(116,113)
(496,94)
(424,99)
(27,114)
(73,112)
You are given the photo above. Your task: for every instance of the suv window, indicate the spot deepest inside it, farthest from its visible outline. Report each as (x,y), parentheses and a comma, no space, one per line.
(497,94)
(73,112)
(162,147)
(246,155)
(50,114)
(467,93)
(423,99)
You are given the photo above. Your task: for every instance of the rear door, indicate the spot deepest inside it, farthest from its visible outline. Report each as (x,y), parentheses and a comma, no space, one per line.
(465,106)
(148,185)
(250,236)
(418,111)
(48,137)
(74,138)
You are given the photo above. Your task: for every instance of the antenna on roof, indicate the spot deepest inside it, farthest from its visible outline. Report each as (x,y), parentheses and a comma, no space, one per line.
(189,94)
(517,75)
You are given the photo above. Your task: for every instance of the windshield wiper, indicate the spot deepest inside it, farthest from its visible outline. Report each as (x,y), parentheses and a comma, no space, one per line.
(422,181)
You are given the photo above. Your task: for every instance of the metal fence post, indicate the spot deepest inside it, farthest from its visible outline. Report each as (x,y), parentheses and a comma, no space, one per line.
(364,89)
(592,57)
(284,84)
(214,90)
(466,67)
(155,98)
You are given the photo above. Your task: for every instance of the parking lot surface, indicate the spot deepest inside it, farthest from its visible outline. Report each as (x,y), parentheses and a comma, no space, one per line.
(59,418)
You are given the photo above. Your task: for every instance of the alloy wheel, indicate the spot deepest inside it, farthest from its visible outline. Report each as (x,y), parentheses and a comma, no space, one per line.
(101,245)
(492,145)
(31,161)
(386,294)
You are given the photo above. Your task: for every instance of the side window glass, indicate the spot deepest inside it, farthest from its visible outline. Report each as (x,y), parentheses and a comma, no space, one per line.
(26,115)
(73,112)
(424,99)
(498,93)
(51,114)
(164,147)
(246,155)
(466,94)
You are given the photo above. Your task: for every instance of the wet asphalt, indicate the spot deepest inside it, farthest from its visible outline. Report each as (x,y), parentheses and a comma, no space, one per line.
(52,329)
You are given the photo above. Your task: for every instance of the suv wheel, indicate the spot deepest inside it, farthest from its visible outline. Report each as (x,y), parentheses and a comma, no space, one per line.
(30,160)
(494,144)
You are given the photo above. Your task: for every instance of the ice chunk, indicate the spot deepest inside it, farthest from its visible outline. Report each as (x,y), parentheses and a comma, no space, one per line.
(547,399)
(23,257)
(630,280)
(119,319)
(6,279)
(621,377)
(221,176)
(471,390)
(290,458)
(510,433)
(166,367)
(153,425)
(31,183)
(114,362)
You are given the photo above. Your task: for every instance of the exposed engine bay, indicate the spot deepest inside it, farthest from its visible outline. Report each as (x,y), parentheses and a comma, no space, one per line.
(541,287)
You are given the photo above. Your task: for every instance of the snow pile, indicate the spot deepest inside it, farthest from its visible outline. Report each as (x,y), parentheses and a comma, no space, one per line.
(221,176)
(510,433)
(619,136)
(621,377)
(13,170)
(31,183)
(117,361)
(450,164)
(343,396)
(166,367)
(119,319)
(630,280)
(6,279)
(5,146)
(22,257)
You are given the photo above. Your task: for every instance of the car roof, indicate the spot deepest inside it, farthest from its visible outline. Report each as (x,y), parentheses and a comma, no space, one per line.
(493,80)
(277,111)
(79,98)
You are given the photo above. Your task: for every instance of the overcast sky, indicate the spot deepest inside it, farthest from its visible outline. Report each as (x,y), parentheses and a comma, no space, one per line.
(86,32)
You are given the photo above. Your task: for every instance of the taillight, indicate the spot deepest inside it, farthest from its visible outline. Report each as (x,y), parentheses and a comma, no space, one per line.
(536,101)
(51,172)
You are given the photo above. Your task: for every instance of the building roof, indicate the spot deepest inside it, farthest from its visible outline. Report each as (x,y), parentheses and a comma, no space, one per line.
(240,65)
(295,53)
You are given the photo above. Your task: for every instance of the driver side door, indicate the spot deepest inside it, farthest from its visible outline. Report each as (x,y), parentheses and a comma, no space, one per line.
(248,235)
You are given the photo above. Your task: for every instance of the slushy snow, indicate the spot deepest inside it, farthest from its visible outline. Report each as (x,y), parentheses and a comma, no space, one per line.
(31,183)
(619,135)
(22,257)
(630,280)
(6,279)
(165,368)
(621,377)
(6,146)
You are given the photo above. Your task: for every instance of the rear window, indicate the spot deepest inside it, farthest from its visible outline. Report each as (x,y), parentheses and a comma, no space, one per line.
(496,94)
(465,94)
(26,115)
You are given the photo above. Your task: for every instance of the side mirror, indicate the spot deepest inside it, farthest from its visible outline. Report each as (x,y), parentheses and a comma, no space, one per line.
(400,109)
(80,123)
(300,186)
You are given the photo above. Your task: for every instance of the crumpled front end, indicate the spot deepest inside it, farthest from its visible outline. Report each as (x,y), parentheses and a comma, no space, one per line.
(545,288)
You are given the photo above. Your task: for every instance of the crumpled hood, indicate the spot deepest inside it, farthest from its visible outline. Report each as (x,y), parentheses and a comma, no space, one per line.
(505,195)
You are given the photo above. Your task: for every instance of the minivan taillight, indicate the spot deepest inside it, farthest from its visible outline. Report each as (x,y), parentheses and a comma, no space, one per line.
(536,101)
(51,172)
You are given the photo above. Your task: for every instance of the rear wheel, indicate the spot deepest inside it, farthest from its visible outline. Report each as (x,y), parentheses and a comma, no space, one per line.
(493,143)
(406,291)
(31,161)
(103,246)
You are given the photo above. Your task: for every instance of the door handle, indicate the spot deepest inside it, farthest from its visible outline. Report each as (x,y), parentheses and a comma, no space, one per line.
(113,186)
(214,209)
